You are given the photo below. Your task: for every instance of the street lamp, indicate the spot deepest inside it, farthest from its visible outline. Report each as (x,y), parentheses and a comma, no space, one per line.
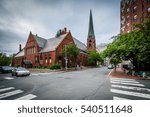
(66,60)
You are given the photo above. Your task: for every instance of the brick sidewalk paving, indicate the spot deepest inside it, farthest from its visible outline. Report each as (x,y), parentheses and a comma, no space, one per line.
(120,74)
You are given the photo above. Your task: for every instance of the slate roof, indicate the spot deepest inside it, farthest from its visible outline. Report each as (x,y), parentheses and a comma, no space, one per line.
(52,43)
(41,41)
(79,44)
(19,54)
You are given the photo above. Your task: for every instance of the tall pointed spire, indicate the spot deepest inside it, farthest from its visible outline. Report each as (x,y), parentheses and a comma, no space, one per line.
(91,42)
(91,28)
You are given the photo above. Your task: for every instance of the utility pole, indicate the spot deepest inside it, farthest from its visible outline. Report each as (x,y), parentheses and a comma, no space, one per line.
(66,60)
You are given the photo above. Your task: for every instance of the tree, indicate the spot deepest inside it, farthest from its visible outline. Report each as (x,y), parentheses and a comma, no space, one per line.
(72,53)
(93,58)
(115,61)
(133,46)
(4,60)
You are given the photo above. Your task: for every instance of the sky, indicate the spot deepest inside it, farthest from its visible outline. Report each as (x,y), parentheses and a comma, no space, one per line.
(46,17)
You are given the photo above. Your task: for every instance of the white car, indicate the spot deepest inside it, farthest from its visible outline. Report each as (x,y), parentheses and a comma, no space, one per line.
(20,71)
(110,67)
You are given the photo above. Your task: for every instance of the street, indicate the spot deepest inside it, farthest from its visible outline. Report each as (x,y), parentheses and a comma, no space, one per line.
(87,84)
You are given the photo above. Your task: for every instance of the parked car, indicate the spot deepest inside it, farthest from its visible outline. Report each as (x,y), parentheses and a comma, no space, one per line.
(110,66)
(5,69)
(20,71)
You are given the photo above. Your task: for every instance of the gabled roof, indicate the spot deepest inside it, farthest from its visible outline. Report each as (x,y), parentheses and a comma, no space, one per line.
(52,43)
(79,44)
(41,41)
(20,54)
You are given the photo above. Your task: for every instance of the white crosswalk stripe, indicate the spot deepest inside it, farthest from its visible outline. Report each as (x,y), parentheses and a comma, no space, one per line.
(122,88)
(8,78)
(130,93)
(125,83)
(27,97)
(119,98)
(131,88)
(6,89)
(11,93)
(7,92)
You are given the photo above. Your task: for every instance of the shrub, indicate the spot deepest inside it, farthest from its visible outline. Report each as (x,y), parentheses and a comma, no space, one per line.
(55,66)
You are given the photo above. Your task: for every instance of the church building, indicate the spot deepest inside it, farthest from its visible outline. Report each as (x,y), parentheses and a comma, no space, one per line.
(41,52)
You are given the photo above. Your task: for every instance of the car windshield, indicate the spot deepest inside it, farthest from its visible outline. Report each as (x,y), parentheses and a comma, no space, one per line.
(21,69)
(7,67)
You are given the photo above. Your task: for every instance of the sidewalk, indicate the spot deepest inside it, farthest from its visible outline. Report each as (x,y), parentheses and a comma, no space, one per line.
(120,74)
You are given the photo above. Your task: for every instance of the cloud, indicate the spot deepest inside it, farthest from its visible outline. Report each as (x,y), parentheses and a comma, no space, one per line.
(45,17)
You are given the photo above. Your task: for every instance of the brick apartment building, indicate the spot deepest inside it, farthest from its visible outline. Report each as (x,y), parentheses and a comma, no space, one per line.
(133,12)
(40,52)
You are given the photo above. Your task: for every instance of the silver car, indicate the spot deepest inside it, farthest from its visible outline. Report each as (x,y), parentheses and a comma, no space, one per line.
(20,71)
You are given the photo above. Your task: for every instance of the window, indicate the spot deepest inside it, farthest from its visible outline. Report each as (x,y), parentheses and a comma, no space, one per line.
(128,9)
(46,59)
(135,18)
(148,12)
(128,24)
(30,50)
(128,17)
(135,9)
(41,58)
(50,60)
(90,45)
(134,1)
(127,1)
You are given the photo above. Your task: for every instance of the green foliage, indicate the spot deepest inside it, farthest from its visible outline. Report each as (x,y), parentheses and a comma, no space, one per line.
(55,66)
(115,61)
(4,60)
(93,58)
(133,46)
(72,52)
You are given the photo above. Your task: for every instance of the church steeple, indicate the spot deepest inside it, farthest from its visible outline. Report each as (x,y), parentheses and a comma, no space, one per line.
(91,29)
(91,44)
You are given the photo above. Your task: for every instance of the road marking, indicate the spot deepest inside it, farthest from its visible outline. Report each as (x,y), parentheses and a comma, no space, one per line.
(110,73)
(27,97)
(131,88)
(8,78)
(127,79)
(125,83)
(130,93)
(132,81)
(6,89)
(4,95)
(119,98)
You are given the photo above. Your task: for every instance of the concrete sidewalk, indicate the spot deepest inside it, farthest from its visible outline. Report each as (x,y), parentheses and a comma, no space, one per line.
(120,74)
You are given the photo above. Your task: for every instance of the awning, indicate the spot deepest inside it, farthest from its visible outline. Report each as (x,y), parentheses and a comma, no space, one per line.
(27,62)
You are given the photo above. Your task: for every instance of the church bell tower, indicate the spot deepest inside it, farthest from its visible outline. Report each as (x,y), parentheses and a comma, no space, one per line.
(91,42)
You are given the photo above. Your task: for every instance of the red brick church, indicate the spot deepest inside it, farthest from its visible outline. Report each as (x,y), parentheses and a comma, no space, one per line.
(40,52)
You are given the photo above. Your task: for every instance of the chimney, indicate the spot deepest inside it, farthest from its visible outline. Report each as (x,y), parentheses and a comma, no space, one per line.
(65,29)
(36,35)
(60,32)
(19,47)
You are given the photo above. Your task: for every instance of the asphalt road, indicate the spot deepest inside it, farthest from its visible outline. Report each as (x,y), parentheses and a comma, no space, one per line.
(76,85)
(87,84)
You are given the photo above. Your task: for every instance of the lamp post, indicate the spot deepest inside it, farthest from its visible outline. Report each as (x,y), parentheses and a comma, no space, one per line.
(66,60)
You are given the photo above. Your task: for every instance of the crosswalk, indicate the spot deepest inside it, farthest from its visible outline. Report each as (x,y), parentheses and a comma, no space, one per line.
(128,89)
(32,74)
(14,94)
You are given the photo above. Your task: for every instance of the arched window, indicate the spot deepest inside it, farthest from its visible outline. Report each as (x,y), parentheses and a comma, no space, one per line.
(90,45)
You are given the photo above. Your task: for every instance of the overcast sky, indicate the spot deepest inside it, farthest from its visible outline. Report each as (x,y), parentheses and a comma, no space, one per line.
(45,17)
